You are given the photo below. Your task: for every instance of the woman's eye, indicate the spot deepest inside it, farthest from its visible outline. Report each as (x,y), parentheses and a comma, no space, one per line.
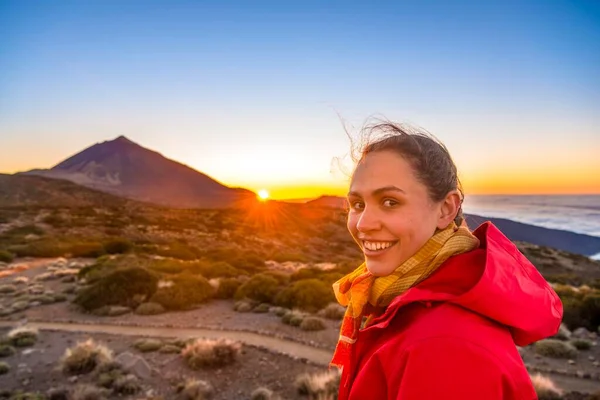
(389,203)
(357,205)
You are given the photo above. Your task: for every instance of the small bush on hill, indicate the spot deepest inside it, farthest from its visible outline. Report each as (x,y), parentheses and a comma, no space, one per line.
(306,273)
(581,344)
(6,289)
(4,368)
(206,353)
(121,287)
(227,288)
(176,250)
(242,306)
(263,393)
(333,311)
(262,288)
(6,256)
(84,357)
(555,348)
(293,318)
(22,337)
(309,294)
(185,291)
(6,350)
(118,246)
(194,390)
(211,270)
(148,345)
(149,309)
(312,324)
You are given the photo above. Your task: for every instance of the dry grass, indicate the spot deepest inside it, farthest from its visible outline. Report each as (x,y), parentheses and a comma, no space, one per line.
(84,357)
(195,390)
(206,353)
(321,386)
(23,336)
(545,388)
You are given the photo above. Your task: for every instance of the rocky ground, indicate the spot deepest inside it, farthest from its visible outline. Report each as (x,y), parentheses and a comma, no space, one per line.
(49,285)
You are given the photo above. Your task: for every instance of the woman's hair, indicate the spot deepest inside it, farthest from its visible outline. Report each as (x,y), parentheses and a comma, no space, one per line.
(429,158)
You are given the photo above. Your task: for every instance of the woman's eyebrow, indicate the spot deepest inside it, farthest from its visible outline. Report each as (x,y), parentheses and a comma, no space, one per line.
(378,191)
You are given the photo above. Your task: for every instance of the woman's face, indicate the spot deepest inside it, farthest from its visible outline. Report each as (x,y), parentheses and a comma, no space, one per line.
(391,214)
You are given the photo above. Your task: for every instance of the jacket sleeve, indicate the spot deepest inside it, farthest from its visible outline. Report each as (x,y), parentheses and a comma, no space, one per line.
(446,368)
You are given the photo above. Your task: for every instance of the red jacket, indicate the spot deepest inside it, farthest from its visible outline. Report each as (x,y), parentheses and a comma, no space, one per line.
(453,336)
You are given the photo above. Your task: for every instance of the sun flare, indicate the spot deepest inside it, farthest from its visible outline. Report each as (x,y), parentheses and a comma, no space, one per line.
(263,194)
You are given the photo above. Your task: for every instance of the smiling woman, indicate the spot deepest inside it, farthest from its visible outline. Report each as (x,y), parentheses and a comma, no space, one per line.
(432,330)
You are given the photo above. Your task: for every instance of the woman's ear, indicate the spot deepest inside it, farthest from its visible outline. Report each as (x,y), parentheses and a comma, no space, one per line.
(449,208)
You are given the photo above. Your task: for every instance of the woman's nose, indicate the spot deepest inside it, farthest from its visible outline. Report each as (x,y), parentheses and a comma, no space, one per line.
(368,221)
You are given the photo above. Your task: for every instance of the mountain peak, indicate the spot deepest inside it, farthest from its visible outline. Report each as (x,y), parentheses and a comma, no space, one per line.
(122,139)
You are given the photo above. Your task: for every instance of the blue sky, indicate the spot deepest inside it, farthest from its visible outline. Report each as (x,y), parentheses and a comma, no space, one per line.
(249,92)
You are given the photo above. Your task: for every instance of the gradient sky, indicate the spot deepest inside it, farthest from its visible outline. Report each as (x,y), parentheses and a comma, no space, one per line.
(250,92)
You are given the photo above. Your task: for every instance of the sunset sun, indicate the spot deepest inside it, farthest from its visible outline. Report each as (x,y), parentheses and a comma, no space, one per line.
(263,194)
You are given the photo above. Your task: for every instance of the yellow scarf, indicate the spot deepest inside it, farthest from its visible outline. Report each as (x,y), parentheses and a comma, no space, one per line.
(360,289)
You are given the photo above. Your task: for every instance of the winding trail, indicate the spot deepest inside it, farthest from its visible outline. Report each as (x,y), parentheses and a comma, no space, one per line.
(293,349)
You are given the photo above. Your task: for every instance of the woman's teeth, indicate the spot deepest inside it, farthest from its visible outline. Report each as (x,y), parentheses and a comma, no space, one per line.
(374,246)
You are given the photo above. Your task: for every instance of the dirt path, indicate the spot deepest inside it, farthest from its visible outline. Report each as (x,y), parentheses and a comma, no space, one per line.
(294,349)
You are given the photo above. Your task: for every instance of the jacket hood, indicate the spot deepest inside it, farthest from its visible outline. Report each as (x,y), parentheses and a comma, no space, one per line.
(496,281)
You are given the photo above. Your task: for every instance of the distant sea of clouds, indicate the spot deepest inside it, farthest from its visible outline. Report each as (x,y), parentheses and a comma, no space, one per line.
(575,213)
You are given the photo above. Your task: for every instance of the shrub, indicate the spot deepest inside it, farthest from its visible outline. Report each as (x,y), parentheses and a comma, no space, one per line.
(581,344)
(293,318)
(184,292)
(85,249)
(333,311)
(4,368)
(563,333)
(149,309)
(120,287)
(310,295)
(305,273)
(227,288)
(6,256)
(5,289)
(215,270)
(118,246)
(318,384)
(206,353)
(555,348)
(107,374)
(176,250)
(261,287)
(261,308)
(545,388)
(6,350)
(168,266)
(84,357)
(88,392)
(169,349)
(591,310)
(148,345)
(262,393)
(312,324)
(22,337)
(125,385)
(242,306)
(194,390)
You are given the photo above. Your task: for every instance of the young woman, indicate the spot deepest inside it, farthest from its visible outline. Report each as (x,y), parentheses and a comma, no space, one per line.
(436,311)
